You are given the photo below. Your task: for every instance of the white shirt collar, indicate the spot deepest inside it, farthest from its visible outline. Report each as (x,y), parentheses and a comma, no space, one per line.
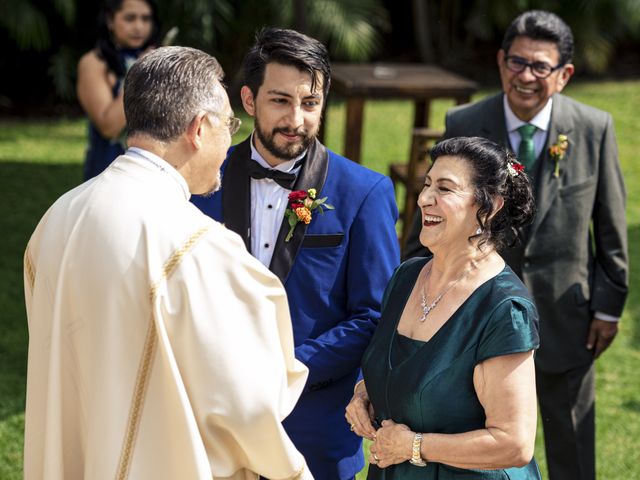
(289,166)
(541,120)
(162,165)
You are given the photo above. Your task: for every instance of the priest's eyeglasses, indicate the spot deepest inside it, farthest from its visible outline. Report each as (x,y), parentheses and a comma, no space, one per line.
(539,70)
(232,123)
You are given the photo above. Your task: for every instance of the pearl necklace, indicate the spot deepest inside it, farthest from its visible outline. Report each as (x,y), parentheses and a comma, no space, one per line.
(427,307)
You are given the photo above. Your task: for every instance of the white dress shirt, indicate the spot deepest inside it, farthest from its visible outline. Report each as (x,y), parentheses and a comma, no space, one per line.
(542,121)
(268,203)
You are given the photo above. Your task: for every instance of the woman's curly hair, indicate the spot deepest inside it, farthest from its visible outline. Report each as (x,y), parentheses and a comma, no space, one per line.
(495,172)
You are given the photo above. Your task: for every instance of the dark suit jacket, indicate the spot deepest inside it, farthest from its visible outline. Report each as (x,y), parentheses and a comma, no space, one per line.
(335,271)
(573,258)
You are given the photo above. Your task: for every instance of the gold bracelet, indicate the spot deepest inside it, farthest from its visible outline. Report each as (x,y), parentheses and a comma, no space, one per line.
(416,457)
(355,387)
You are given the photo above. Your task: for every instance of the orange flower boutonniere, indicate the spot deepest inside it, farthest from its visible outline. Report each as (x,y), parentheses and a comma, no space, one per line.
(557,151)
(301,204)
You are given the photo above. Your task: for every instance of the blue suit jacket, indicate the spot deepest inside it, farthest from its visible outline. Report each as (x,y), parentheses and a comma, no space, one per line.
(334,271)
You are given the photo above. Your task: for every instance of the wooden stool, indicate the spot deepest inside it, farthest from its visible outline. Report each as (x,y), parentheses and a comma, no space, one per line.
(411,175)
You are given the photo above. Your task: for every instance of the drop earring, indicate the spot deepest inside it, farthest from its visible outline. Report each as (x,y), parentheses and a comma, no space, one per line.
(478,231)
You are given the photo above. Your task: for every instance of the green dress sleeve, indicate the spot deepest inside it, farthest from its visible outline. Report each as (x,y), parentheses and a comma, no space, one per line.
(512,328)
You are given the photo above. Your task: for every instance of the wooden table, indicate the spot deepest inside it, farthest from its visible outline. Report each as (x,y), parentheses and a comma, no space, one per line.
(418,82)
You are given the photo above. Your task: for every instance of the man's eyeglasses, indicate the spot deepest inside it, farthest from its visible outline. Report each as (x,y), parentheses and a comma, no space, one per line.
(539,70)
(232,123)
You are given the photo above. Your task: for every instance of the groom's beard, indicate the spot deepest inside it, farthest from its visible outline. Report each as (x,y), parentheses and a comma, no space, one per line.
(290,150)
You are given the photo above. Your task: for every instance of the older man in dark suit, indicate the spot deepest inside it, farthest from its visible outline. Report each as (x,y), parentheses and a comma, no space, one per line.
(573,257)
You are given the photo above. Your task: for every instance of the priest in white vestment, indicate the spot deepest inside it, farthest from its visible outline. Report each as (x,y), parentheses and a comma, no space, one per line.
(158,347)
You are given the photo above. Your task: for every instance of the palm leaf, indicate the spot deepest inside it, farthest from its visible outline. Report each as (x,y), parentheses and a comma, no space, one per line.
(66,9)
(26,25)
(61,70)
(350,27)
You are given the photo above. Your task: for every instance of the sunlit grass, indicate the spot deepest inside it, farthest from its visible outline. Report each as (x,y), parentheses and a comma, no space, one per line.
(40,160)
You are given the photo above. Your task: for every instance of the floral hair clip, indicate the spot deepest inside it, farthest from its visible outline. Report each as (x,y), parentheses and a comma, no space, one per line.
(514,169)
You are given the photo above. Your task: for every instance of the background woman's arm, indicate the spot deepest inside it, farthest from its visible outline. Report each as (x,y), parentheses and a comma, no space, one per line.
(94,93)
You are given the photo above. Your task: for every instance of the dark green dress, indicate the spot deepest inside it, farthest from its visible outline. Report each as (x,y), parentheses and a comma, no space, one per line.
(429,385)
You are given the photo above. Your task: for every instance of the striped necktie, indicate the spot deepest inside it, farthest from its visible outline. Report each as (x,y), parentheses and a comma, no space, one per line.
(526,151)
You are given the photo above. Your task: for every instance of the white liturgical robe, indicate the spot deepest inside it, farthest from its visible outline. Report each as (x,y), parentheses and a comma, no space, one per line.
(159,348)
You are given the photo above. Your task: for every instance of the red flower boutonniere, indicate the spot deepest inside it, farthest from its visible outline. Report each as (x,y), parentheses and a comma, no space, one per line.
(557,151)
(301,204)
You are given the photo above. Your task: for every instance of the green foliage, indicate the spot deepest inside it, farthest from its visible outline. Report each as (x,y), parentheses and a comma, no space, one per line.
(27,23)
(598,25)
(202,23)
(62,66)
(67,10)
(350,28)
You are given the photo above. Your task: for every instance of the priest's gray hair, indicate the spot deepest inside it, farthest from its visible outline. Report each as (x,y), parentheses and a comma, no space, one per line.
(165,89)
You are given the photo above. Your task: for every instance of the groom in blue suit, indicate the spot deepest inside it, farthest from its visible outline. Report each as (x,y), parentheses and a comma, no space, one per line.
(335,267)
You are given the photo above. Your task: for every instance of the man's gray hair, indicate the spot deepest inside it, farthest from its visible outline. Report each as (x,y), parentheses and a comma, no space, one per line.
(541,25)
(167,88)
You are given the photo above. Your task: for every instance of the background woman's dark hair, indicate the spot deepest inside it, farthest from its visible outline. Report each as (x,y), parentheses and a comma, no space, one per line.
(105,46)
(287,47)
(491,178)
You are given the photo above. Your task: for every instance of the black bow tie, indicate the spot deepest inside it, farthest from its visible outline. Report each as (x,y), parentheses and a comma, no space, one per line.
(284,179)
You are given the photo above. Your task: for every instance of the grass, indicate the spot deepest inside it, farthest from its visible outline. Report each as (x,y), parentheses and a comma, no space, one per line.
(40,160)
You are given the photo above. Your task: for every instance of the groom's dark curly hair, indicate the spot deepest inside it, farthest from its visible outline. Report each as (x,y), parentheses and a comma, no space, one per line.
(291,48)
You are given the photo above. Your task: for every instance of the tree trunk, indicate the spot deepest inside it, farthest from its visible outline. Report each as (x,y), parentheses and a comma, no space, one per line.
(300,15)
(423,32)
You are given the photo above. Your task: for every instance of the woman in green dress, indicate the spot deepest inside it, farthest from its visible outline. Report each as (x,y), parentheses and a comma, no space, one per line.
(449,383)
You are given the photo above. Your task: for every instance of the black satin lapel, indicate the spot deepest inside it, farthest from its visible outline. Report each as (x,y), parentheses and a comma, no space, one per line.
(236,193)
(546,183)
(313,174)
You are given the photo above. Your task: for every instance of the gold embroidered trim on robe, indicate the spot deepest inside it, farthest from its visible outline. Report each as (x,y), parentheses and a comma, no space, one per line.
(146,363)
(28,265)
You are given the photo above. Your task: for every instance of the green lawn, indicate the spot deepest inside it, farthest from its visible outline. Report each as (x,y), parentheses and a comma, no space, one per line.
(39,160)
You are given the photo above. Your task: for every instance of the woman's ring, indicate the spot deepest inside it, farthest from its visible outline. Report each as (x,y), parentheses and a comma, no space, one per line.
(352,427)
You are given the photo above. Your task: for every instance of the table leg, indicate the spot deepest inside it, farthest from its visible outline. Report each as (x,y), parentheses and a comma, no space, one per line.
(353,128)
(421,113)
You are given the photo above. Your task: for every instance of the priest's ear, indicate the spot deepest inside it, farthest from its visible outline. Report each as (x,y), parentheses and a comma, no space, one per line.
(248,100)
(195,130)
